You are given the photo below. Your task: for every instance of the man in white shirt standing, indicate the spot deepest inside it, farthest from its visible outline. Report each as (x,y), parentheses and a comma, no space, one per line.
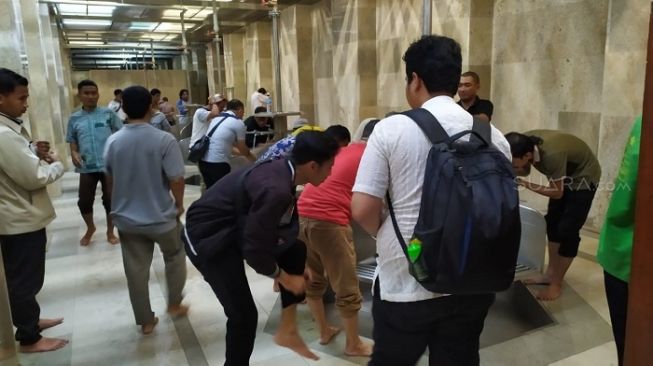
(203,116)
(407,317)
(227,131)
(258,99)
(116,104)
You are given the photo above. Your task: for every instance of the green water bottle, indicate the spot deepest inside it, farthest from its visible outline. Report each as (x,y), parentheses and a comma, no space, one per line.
(414,250)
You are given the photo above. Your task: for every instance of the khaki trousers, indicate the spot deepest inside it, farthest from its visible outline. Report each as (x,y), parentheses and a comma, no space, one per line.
(137,252)
(332,260)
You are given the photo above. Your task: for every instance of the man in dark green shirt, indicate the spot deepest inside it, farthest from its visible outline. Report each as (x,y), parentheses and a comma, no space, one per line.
(573,174)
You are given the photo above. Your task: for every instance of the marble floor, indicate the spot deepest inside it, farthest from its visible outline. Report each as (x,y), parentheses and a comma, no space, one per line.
(87,286)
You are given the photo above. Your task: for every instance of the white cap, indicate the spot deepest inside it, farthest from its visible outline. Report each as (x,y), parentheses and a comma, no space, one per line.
(217,98)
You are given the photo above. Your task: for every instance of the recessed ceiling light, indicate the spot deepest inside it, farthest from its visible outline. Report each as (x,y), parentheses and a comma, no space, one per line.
(87,43)
(86,23)
(145,26)
(70,9)
(100,10)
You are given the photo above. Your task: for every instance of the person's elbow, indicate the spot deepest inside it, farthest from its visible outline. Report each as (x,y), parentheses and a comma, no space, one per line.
(364,207)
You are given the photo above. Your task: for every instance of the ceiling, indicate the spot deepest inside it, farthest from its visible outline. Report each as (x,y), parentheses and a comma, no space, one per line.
(125,33)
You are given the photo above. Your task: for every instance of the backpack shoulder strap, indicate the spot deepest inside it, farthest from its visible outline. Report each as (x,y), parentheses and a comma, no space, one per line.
(429,124)
(395,224)
(224,116)
(484,129)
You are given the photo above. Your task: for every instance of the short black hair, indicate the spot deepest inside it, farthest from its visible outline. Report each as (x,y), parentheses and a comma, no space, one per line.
(155,91)
(339,132)
(117,92)
(521,144)
(182,92)
(369,128)
(314,146)
(234,105)
(473,75)
(84,83)
(9,80)
(437,60)
(136,101)
(262,90)
(260,109)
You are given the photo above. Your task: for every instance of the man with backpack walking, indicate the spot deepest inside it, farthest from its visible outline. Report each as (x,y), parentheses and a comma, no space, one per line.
(409,315)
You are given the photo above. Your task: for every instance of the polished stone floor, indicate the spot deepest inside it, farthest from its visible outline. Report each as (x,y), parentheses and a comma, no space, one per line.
(87,286)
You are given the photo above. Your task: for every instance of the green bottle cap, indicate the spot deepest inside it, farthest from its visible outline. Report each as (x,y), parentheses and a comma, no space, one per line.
(414,250)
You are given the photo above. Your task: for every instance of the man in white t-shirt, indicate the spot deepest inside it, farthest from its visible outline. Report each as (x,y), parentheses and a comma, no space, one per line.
(203,116)
(407,317)
(258,99)
(116,104)
(229,134)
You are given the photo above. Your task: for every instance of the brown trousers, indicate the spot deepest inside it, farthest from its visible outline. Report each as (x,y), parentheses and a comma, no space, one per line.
(332,260)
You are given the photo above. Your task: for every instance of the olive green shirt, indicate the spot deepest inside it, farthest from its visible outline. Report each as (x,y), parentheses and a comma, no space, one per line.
(563,155)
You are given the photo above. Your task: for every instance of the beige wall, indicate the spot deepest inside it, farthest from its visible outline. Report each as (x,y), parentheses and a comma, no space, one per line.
(573,65)
(168,81)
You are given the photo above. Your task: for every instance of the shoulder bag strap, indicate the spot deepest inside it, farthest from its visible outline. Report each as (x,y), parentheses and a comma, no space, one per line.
(224,116)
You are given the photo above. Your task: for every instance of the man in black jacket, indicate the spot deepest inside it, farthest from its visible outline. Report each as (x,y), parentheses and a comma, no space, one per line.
(250,214)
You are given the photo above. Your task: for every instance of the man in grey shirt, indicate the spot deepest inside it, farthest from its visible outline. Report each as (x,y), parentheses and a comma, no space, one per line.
(158,119)
(144,166)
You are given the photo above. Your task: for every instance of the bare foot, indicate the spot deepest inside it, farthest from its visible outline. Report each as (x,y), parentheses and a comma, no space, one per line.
(360,349)
(44,345)
(550,293)
(294,342)
(49,323)
(112,238)
(177,310)
(86,239)
(328,334)
(149,327)
(539,280)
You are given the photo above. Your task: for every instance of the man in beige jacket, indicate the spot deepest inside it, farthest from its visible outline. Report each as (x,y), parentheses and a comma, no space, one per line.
(26,169)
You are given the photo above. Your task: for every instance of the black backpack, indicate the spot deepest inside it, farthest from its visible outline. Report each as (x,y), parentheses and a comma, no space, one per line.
(201,146)
(468,225)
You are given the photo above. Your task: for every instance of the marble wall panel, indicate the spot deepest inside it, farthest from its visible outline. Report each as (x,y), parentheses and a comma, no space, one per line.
(289,63)
(566,28)
(235,75)
(583,125)
(258,58)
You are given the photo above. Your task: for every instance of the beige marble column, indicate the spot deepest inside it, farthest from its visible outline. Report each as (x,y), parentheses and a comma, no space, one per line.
(622,91)
(398,23)
(258,58)
(235,76)
(479,59)
(297,60)
(367,62)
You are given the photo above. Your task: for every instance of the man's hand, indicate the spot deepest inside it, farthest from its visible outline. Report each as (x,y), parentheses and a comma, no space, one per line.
(293,283)
(52,157)
(77,159)
(180,209)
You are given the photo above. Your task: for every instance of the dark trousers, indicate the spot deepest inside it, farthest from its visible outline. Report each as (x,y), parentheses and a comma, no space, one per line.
(565,217)
(213,172)
(226,275)
(23,256)
(87,185)
(449,326)
(616,291)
